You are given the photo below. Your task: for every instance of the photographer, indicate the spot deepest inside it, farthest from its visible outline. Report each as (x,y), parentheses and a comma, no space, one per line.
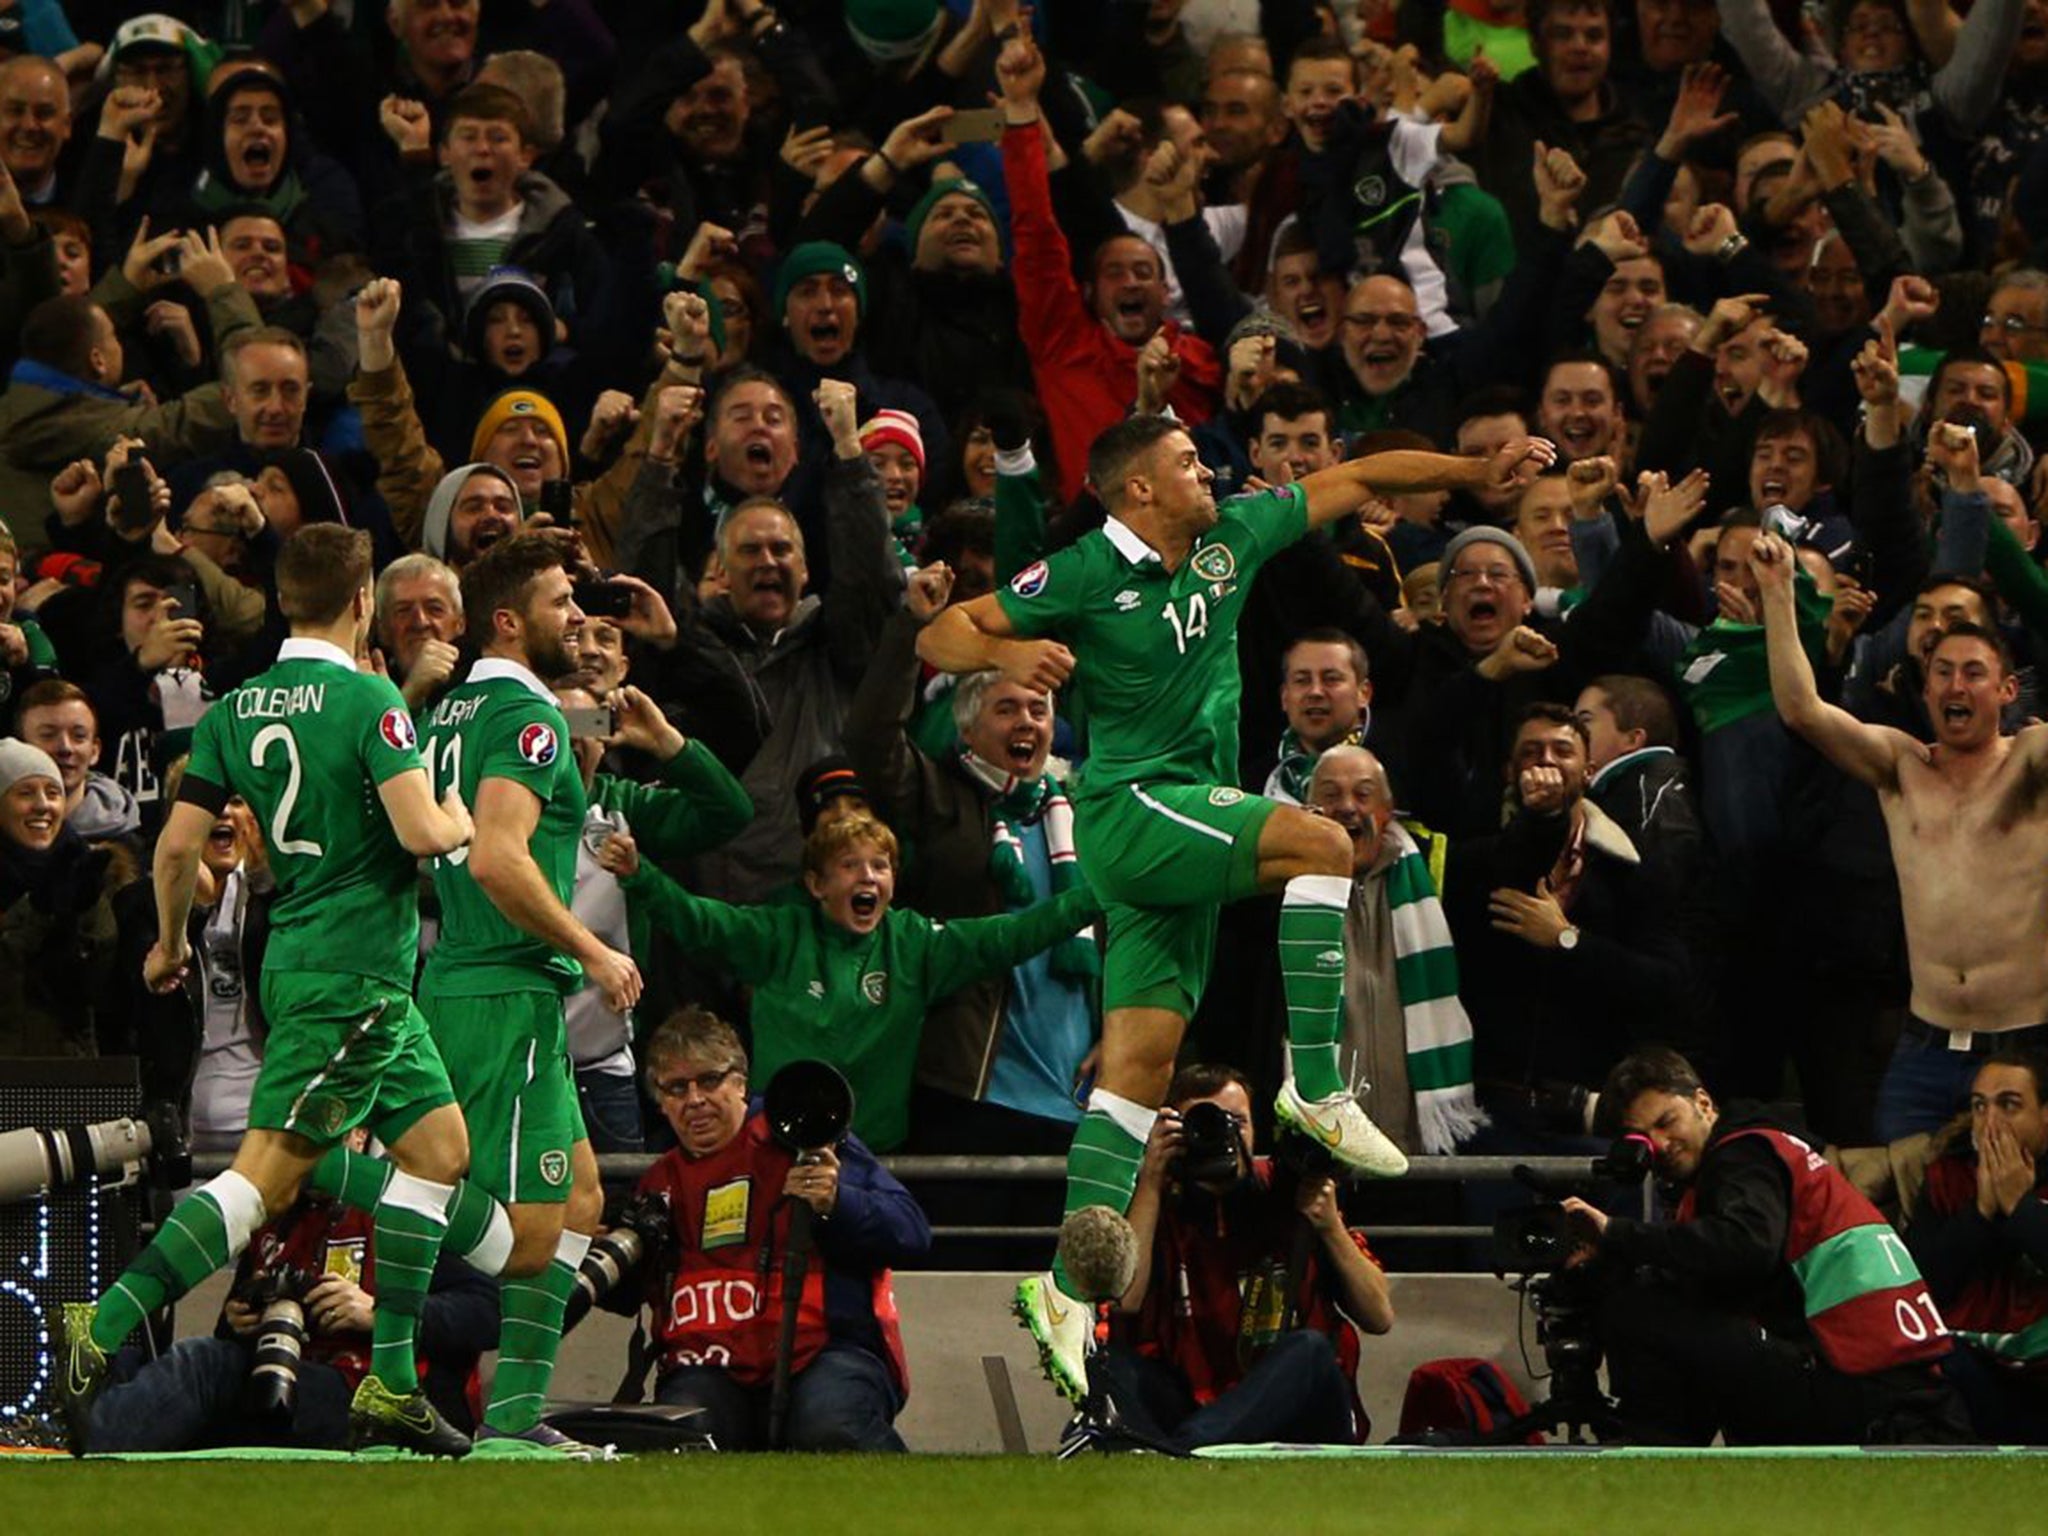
(206,1391)
(1246,1273)
(1778,1308)
(731,1188)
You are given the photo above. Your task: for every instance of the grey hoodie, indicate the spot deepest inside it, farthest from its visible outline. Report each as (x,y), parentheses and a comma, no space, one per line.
(441,505)
(106,810)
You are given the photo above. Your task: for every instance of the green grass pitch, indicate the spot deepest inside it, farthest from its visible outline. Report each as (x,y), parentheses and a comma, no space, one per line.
(1530,1495)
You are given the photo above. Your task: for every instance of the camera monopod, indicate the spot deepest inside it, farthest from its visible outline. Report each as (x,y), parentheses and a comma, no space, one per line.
(808,1105)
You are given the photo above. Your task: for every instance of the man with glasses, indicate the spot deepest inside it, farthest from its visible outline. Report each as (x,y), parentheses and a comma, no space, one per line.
(732,1189)
(2015,324)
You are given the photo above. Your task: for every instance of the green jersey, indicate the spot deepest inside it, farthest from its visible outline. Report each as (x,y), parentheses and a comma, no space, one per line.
(307,744)
(1156,651)
(502,723)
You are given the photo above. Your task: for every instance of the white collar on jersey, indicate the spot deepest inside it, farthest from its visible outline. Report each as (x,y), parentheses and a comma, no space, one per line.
(1129,545)
(487,668)
(315,650)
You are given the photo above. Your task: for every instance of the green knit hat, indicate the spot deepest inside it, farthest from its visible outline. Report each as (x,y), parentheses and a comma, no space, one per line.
(888,30)
(812,258)
(945,187)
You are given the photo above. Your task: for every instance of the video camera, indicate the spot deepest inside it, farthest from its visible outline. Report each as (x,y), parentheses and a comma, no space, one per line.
(1535,1243)
(1537,1239)
(36,1161)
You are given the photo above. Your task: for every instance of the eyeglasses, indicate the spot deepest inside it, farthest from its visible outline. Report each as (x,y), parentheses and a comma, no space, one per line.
(706,1083)
(2012,325)
(1499,575)
(1881,25)
(1400,325)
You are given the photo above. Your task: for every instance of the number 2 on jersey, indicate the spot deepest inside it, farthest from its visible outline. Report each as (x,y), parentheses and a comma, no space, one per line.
(1195,626)
(444,773)
(259,750)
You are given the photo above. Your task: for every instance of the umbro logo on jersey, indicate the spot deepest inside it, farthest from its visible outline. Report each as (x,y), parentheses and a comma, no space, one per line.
(396,729)
(1126,600)
(538,744)
(1030,581)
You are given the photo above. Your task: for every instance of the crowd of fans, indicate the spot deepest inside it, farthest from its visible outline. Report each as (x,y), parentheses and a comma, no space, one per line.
(800,319)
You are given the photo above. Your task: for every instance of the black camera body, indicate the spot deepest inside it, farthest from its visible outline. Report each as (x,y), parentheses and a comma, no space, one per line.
(278,1296)
(644,1230)
(1209,1145)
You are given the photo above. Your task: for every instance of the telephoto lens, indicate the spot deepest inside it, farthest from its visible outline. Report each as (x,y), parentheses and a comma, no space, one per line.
(273,1390)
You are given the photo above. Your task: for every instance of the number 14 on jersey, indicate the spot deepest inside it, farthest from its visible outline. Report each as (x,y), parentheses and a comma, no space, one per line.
(1193,627)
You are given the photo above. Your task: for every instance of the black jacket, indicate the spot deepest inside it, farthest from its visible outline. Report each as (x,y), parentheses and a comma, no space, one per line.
(1554,1015)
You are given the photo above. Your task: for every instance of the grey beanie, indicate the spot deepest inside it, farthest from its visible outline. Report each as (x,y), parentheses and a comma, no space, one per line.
(441,505)
(19,760)
(1259,321)
(1482,533)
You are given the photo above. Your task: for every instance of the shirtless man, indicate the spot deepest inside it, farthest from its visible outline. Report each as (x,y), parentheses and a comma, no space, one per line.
(1968,818)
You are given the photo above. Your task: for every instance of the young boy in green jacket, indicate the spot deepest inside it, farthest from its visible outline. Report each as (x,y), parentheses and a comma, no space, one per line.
(845,979)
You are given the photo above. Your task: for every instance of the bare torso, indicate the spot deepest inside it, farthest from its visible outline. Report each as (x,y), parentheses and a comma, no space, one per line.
(1970,843)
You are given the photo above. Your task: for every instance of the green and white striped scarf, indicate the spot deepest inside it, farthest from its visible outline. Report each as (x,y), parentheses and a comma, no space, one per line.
(1439,1035)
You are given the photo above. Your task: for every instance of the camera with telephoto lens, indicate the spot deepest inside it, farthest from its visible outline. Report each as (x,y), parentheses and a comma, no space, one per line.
(35,1161)
(643,1229)
(278,1297)
(1209,1145)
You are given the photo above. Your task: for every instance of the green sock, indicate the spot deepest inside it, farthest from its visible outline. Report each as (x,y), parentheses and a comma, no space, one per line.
(528,1336)
(1102,1169)
(403,1246)
(1312,974)
(356,1179)
(192,1243)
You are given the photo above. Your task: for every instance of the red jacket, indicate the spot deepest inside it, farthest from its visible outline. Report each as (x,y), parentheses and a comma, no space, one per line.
(1087,379)
(1217,1294)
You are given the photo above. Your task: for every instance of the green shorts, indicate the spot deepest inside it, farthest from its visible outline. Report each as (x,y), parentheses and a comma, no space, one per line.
(1164,858)
(344,1051)
(508,1057)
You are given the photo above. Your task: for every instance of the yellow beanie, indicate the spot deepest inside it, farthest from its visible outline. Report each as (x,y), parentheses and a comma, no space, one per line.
(519,402)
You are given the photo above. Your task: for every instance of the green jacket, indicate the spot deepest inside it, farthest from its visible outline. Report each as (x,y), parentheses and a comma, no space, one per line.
(697,804)
(857,1001)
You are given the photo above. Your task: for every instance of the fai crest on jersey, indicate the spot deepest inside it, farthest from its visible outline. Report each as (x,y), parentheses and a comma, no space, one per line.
(875,987)
(1225,796)
(396,729)
(1215,562)
(1371,192)
(554,1167)
(538,744)
(1030,581)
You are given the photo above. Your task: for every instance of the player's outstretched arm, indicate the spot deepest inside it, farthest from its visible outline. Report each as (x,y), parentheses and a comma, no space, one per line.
(972,637)
(176,872)
(425,830)
(501,862)
(1866,752)
(1339,491)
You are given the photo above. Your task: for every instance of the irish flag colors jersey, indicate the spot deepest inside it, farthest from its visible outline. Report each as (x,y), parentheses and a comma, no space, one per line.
(307,744)
(502,723)
(1157,650)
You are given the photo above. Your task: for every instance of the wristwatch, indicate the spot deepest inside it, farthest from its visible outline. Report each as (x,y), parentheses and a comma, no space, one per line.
(1731,248)
(1568,940)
